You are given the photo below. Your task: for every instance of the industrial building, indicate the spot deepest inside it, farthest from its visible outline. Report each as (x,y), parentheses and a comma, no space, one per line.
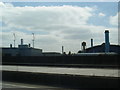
(22,50)
(103,48)
(27,50)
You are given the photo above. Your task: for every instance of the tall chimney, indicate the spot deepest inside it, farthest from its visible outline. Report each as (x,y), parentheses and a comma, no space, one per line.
(21,41)
(91,42)
(62,49)
(107,44)
(29,45)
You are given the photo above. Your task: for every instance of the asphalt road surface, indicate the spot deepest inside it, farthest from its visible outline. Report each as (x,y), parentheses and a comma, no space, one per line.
(23,86)
(59,70)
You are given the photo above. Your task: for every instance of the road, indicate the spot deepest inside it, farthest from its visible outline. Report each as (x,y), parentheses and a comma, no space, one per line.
(63,70)
(15,85)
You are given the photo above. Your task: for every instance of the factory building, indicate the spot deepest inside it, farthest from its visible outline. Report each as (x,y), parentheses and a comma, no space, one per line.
(22,50)
(103,48)
(27,50)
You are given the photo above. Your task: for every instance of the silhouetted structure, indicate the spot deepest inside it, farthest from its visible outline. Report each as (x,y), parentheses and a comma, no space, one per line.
(107,44)
(22,50)
(83,46)
(101,49)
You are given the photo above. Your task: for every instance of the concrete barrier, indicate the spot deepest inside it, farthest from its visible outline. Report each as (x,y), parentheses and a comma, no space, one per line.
(100,61)
(62,80)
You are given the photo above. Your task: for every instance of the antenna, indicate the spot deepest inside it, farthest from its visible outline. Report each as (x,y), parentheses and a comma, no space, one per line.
(62,49)
(14,39)
(33,39)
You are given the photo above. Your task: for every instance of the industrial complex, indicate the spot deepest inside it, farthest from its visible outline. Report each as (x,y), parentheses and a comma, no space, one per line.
(27,50)
(103,48)
(89,68)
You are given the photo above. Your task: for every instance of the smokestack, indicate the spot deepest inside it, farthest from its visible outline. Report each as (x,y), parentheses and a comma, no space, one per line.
(107,44)
(91,42)
(21,41)
(29,45)
(62,49)
(10,45)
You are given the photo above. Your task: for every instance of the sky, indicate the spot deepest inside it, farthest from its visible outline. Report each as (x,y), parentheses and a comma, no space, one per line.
(57,24)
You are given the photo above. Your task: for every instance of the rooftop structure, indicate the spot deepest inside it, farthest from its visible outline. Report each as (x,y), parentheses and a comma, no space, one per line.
(83,46)
(25,50)
(21,50)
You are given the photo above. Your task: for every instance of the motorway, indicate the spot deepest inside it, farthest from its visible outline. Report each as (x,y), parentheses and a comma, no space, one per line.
(15,85)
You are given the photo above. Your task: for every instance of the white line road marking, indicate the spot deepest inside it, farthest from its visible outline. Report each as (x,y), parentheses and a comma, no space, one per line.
(20,86)
(25,85)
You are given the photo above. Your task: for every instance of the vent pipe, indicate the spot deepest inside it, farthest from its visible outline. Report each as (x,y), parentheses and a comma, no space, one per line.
(62,49)
(10,45)
(29,45)
(33,39)
(107,44)
(91,42)
(21,41)
(14,39)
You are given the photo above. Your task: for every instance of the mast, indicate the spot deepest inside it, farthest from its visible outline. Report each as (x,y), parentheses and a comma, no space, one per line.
(33,39)
(14,39)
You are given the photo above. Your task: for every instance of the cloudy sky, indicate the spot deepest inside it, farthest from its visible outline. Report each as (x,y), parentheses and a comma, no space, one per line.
(57,24)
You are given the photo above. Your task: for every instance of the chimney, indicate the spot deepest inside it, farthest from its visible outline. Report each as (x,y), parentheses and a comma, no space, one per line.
(10,45)
(29,45)
(62,49)
(107,44)
(21,41)
(91,42)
